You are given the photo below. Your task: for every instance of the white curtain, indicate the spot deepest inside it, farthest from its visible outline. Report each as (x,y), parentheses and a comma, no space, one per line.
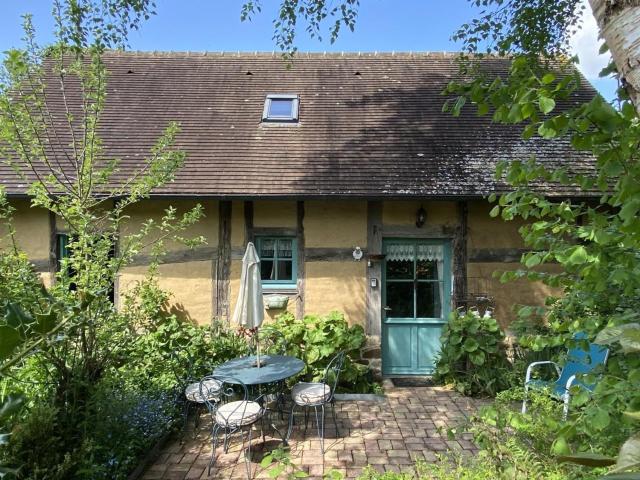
(406,252)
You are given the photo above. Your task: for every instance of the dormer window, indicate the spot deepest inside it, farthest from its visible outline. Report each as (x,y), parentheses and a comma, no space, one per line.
(280,108)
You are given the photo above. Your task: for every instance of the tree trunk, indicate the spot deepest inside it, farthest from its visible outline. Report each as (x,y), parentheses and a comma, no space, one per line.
(619,23)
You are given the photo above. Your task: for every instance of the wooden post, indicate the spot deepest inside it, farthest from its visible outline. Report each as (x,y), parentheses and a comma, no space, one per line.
(223,263)
(53,253)
(460,255)
(248,221)
(300,259)
(373,297)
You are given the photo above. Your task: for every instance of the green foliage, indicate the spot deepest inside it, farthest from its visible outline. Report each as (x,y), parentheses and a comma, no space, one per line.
(472,356)
(316,339)
(278,464)
(312,13)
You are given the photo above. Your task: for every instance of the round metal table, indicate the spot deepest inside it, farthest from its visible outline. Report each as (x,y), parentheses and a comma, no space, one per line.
(274,369)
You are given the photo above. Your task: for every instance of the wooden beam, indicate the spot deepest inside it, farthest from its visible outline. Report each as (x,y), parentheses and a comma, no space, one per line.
(275,231)
(223,263)
(53,253)
(248,221)
(184,255)
(300,259)
(496,255)
(410,231)
(322,254)
(460,254)
(373,295)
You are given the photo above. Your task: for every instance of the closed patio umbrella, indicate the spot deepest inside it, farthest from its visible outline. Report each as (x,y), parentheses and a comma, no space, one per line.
(249,311)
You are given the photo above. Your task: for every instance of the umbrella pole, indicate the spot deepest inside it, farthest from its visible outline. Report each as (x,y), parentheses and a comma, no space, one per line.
(257,350)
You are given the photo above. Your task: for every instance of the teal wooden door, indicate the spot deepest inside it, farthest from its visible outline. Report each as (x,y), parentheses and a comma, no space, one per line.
(416,302)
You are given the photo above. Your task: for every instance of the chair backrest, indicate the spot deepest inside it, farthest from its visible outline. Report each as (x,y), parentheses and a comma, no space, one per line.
(581,361)
(332,372)
(271,341)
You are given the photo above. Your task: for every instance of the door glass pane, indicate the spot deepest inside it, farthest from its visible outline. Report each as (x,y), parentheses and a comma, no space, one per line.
(267,248)
(285,270)
(400,269)
(428,300)
(285,248)
(426,270)
(400,299)
(267,270)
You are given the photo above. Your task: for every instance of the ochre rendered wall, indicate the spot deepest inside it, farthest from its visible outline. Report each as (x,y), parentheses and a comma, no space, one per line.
(190,285)
(512,294)
(32,235)
(336,286)
(189,281)
(207,226)
(485,231)
(274,214)
(494,234)
(340,224)
(404,212)
(32,230)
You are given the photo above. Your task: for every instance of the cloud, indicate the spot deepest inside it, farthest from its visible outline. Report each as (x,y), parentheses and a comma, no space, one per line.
(586,44)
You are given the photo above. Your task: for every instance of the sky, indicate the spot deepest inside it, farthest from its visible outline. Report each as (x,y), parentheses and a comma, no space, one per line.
(382,25)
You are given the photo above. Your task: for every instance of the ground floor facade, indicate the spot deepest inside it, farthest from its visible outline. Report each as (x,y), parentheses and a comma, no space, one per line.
(396,267)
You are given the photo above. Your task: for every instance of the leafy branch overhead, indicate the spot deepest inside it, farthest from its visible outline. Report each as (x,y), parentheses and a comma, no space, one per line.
(313,14)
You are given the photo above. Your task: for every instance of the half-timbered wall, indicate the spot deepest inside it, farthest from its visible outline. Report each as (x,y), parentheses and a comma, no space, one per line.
(204,281)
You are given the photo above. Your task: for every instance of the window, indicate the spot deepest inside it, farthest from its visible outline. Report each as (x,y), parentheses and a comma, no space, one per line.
(277,260)
(62,249)
(280,108)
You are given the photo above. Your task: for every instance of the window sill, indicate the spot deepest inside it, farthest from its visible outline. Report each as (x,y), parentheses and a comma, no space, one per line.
(285,289)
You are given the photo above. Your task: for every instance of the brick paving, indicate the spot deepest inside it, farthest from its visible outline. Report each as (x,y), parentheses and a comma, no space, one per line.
(390,435)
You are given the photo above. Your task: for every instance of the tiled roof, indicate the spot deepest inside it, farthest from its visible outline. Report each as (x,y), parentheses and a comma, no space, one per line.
(370,126)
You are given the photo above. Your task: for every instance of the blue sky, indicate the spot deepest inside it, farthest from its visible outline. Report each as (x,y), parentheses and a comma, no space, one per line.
(214,25)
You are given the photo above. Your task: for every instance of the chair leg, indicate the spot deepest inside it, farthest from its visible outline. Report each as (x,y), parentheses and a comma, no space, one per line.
(306,420)
(185,414)
(226,441)
(214,434)
(247,456)
(320,424)
(335,422)
(291,420)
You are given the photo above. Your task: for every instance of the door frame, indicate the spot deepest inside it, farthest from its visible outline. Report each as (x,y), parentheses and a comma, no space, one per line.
(446,301)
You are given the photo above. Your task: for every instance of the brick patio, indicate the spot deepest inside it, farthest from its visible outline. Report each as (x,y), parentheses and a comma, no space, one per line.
(388,435)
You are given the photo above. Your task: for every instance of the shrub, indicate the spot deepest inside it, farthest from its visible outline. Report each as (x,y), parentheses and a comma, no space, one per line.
(316,339)
(472,357)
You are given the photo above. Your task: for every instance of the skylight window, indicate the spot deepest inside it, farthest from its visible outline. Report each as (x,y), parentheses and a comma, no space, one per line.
(280,108)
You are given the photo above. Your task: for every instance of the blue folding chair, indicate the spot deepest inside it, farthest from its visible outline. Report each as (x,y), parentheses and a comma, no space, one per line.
(578,362)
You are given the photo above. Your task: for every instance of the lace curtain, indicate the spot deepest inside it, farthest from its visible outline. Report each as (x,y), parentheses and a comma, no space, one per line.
(405,252)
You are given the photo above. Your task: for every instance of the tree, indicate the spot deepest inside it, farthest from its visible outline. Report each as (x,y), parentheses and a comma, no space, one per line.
(72,331)
(619,23)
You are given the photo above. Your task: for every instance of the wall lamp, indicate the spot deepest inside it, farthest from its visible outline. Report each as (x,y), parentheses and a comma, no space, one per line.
(421,217)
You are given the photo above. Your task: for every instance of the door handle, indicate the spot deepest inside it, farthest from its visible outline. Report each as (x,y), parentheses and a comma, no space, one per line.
(387,309)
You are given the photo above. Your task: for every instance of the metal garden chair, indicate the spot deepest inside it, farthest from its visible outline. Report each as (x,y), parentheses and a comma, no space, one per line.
(316,395)
(233,412)
(579,361)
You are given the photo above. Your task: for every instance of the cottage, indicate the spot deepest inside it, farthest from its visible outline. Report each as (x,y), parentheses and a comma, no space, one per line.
(360,194)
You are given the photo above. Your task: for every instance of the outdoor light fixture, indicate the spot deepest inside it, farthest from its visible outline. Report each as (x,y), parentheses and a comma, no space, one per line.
(421,217)
(357,254)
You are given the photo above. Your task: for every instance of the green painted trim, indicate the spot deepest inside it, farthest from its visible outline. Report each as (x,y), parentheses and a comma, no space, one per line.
(414,324)
(294,260)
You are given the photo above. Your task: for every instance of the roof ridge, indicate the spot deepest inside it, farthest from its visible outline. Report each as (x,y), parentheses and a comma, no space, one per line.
(368,54)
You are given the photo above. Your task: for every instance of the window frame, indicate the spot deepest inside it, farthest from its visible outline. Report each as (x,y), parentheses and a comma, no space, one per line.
(294,261)
(295,106)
